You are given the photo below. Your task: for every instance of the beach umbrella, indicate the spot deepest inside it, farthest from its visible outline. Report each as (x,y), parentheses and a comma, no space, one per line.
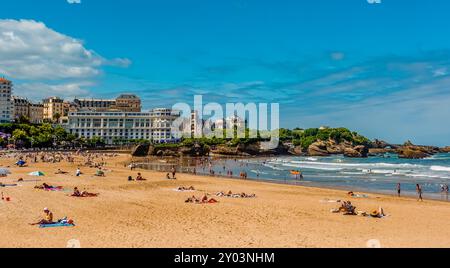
(21,163)
(4,171)
(37,174)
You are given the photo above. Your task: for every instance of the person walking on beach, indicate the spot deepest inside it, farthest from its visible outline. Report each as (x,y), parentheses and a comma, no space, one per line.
(399,189)
(444,191)
(419,192)
(174,173)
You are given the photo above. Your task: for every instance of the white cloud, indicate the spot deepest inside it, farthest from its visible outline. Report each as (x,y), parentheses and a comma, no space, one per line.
(38,90)
(36,54)
(30,50)
(74,1)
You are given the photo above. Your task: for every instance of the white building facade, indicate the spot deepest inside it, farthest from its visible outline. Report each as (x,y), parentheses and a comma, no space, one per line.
(5,101)
(162,120)
(112,126)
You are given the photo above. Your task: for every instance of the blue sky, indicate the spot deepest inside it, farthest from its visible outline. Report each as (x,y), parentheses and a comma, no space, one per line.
(381,69)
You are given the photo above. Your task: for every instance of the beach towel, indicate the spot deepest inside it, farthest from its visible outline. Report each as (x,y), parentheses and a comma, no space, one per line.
(330,201)
(360,196)
(54,225)
(55,189)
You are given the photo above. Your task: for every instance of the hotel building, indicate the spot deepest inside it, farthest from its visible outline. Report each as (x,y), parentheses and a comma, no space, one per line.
(128,103)
(110,125)
(162,120)
(5,100)
(94,104)
(55,110)
(154,126)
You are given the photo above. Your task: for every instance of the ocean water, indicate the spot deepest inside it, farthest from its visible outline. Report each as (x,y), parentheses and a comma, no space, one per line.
(374,174)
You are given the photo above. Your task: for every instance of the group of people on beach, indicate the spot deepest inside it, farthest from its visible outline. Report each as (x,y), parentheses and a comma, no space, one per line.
(419,190)
(234,195)
(91,160)
(347,208)
(139,177)
(204,200)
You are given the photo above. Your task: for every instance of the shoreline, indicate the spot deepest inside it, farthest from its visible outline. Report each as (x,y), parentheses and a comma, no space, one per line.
(435,196)
(152,214)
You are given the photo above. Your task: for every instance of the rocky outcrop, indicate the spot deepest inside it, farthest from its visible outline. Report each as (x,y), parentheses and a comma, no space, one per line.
(196,150)
(296,150)
(379,144)
(318,148)
(331,147)
(360,151)
(142,150)
(411,151)
(252,149)
(445,149)
(224,150)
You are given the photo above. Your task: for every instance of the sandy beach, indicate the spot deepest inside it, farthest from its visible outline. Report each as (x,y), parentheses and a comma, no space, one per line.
(152,214)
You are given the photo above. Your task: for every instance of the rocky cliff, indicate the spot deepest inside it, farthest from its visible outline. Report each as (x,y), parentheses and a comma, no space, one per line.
(318,148)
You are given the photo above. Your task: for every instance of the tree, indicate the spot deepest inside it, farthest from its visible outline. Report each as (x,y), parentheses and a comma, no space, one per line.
(56,117)
(23,120)
(20,136)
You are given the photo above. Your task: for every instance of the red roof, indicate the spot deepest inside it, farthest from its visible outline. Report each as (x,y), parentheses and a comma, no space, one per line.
(4,80)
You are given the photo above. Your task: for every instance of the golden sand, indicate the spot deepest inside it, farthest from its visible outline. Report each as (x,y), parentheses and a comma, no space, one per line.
(152,214)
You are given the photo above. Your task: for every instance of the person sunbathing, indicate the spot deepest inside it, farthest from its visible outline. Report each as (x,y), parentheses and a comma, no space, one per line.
(77,193)
(44,186)
(48,218)
(192,199)
(140,178)
(244,195)
(378,213)
(61,172)
(347,208)
(206,200)
(182,188)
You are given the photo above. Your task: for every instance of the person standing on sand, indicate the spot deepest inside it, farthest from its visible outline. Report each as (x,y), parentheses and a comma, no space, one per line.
(174,173)
(446,191)
(419,192)
(399,189)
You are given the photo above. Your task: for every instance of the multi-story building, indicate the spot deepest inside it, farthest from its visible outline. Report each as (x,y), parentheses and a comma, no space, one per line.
(94,104)
(128,103)
(5,100)
(36,113)
(162,119)
(21,108)
(109,125)
(54,109)
(26,109)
